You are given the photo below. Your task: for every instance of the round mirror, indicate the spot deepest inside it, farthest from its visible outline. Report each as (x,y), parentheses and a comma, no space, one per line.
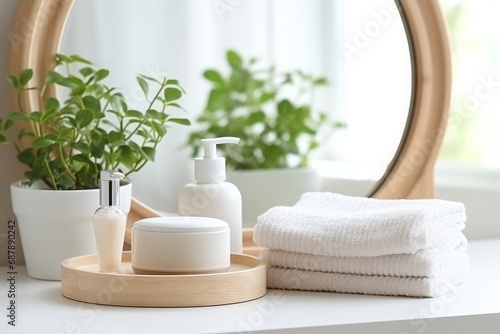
(360,47)
(388,66)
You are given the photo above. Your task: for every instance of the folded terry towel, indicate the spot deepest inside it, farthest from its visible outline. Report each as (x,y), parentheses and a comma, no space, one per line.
(295,279)
(430,262)
(323,223)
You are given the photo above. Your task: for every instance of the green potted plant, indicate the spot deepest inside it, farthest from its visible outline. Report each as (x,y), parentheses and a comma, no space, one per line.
(273,114)
(66,143)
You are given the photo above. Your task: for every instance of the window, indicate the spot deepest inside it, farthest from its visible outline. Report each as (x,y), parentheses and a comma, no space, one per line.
(472,135)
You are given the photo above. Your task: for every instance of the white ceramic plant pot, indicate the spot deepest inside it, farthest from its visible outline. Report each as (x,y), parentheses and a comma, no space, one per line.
(262,189)
(57,224)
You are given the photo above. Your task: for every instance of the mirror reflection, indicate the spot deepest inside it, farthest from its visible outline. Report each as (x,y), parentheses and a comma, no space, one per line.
(359,46)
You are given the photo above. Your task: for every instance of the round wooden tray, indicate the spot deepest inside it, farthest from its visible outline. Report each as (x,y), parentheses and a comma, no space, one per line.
(82,281)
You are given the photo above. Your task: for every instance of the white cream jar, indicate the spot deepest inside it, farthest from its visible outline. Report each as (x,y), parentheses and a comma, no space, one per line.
(180,245)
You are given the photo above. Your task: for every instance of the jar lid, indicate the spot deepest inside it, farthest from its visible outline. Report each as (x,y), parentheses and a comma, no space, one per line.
(181,224)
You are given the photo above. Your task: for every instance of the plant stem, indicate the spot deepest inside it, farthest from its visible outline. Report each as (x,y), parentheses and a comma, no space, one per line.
(51,175)
(65,164)
(149,107)
(18,149)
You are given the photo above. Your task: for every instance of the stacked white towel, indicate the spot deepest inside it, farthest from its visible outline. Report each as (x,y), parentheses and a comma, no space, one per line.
(332,242)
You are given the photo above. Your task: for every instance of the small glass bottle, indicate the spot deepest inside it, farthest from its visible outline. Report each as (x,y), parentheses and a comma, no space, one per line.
(109,223)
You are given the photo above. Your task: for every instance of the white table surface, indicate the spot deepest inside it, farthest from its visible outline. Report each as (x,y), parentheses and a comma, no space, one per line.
(40,308)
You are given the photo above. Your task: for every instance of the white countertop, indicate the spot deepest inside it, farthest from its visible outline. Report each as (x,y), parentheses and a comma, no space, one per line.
(40,308)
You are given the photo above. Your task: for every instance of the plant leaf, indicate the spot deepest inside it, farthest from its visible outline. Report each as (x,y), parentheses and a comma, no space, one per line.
(7,125)
(134,146)
(96,149)
(12,80)
(126,156)
(285,108)
(322,81)
(51,103)
(25,76)
(172,94)
(18,116)
(173,82)
(159,128)
(144,85)
(256,117)
(118,103)
(216,100)
(53,77)
(51,113)
(36,116)
(65,135)
(214,76)
(51,108)
(143,133)
(116,138)
(182,121)
(60,58)
(79,59)
(234,59)
(82,158)
(84,117)
(267,96)
(73,83)
(101,74)
(149,78)
(91,103)
(65,182)
(134,114)
(154,114)
(175,105)
(3,139)
(86,71)
(149,152)
(304,128)
(43,142)
(39,169)
(81,147)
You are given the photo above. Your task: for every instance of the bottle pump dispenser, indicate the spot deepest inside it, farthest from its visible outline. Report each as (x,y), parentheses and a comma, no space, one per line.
(210,167)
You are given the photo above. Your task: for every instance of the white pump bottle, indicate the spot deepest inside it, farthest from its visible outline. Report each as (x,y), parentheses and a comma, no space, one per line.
(211,195)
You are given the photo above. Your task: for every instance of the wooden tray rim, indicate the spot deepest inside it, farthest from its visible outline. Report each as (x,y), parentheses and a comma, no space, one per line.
(256,273)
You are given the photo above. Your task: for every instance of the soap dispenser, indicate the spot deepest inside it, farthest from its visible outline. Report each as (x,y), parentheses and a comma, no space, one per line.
(211,195)
(109,223)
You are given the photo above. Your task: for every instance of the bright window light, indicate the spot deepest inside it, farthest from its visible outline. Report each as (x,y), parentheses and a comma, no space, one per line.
(472,136)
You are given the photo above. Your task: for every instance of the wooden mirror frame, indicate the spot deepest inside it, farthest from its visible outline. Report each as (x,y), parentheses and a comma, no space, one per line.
(39,26)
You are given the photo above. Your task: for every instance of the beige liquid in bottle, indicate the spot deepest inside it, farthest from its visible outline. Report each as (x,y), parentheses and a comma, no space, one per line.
(110,234)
